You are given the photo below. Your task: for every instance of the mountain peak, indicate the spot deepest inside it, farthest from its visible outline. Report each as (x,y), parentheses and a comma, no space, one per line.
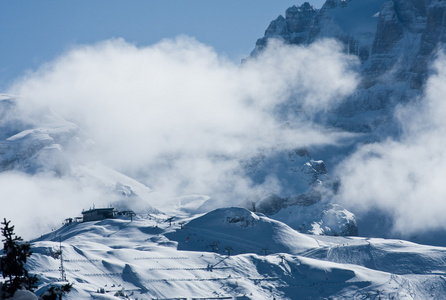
(395,42)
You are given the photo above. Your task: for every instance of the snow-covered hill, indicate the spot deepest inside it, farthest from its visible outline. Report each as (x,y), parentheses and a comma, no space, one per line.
(232,254)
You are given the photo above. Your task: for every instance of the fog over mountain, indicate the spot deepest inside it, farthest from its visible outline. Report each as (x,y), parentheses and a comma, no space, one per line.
(393,172)
(289,174)
(353,84)
(174,116)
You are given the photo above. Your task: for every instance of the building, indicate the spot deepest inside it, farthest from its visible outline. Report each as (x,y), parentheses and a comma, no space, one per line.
(97,214)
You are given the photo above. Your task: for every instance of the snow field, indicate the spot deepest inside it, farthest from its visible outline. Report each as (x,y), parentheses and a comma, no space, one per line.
(148,259)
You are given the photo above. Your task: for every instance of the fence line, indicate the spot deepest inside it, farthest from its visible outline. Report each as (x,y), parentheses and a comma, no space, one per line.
(191,279)
(136,258)
(110,274)
(149,257)
(186,269)
(321,283)
(58,270)
(81,260)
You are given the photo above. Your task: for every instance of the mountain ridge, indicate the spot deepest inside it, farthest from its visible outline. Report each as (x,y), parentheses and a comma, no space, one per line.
(396,41)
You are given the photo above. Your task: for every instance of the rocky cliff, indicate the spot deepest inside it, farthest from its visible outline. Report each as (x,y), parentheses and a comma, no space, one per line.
(395,42)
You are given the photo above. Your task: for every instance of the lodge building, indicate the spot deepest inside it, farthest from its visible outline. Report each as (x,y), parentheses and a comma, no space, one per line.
(97,214)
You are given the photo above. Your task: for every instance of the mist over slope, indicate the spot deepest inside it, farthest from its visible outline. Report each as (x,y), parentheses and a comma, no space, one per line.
(390,174)
(395,41)
(174,116)
(320,113)
(251,180)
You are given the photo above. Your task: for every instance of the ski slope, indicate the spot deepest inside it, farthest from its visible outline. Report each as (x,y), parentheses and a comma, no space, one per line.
(232,253)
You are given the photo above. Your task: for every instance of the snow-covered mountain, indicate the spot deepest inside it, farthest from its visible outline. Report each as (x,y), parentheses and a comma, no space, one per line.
(304,202)
(287,239)
(33,144)
(232,253)
(395,41)
(41,143)
(382,34)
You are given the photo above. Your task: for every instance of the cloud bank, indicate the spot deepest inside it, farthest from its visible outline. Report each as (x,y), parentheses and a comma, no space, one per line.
(37,204)
(179,117)
(405,177)
(180,96)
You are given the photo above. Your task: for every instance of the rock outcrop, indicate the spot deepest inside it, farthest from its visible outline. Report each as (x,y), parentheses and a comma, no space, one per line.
(394,40)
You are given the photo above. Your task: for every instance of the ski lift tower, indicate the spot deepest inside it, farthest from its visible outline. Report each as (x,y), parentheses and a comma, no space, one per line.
(59,253)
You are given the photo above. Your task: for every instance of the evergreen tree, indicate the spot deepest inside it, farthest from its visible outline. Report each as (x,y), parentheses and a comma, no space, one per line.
(56,292)
(12,262)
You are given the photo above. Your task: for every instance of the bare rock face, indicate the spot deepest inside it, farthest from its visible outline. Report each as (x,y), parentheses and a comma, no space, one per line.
(295,172)
(300,17)
(395,41)
(389,29)
(293,28)
(432,39)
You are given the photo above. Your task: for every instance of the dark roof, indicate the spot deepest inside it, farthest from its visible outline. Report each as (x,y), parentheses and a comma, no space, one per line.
(110,209)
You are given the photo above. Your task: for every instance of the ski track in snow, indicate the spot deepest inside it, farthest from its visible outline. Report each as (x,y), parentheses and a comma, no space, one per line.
(105,257)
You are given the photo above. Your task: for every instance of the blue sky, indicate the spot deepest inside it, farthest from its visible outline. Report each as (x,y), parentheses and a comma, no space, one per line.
(34,32)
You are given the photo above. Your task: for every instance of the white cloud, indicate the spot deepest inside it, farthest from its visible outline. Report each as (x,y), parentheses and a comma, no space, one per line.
(178,96)
(405,177)
(36,204)
(180,116)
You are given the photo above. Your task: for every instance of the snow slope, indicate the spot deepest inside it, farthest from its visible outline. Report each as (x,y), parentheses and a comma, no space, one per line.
(243,231)
(151,259)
